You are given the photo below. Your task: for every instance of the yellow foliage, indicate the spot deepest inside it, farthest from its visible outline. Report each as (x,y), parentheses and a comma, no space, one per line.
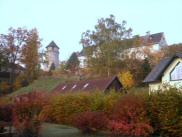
(17,84)
(126,79)
(4,86)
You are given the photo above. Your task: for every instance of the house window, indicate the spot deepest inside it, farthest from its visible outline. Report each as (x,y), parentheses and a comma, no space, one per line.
(176,73)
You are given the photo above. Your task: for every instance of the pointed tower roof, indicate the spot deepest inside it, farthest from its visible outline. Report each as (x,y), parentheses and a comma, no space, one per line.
(52,44)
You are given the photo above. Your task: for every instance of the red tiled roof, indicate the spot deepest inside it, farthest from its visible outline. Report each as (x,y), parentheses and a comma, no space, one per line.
(87,85)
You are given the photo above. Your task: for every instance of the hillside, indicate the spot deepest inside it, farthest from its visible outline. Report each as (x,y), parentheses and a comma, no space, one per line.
(42,84)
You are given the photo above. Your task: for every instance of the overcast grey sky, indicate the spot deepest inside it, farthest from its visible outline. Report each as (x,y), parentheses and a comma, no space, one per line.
(64,20)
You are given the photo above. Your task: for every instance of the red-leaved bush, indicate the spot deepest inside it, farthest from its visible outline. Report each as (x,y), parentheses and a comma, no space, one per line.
(89,122)
(27,113)
(6,113)
(129,118)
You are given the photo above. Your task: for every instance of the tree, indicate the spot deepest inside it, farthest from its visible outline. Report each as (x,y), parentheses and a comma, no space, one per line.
(3,58)
(73,63)
(52,67)
(104,45)
(106,30)
(126,79)
(30,56)
(145,68)
(172,49)
(12,44)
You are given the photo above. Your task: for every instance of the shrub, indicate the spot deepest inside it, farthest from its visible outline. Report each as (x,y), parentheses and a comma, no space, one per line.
(130,118)
(165,112)
(6,113)
(17,84)
(89,122)
(104,102)
(27,113)
(4,87)
(62,107)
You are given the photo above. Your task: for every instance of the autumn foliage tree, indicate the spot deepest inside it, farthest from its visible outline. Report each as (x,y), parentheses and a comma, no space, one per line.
(12,44)
(30,56)
(130,118)
(20,47)
(27,113)
(126,79)
(103,46)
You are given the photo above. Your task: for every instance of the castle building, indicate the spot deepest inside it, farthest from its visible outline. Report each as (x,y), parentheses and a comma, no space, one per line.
(52,56)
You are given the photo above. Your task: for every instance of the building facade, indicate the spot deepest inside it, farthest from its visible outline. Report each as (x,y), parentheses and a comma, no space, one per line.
(52,56)
(154,42)
(168,73)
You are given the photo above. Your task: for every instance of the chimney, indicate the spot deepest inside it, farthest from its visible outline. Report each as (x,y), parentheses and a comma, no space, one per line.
(148,34)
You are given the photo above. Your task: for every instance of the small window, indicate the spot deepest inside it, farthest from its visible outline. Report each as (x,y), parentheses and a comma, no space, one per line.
(176,73)
(63,87)
(74,86)
(86,85)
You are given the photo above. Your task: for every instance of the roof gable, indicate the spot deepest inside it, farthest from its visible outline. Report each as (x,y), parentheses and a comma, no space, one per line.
(152,39)
(158,70)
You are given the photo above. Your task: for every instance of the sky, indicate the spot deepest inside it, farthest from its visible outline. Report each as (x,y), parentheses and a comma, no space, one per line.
(63,21)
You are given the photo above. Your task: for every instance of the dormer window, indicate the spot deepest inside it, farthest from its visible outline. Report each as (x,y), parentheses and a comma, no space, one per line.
(176,73)
(86,85)
(74,86)
(63,87)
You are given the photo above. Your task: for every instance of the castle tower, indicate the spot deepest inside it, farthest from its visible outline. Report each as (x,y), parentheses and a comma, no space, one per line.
(52,55)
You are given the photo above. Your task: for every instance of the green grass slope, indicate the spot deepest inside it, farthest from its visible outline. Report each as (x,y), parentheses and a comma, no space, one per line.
(42,84)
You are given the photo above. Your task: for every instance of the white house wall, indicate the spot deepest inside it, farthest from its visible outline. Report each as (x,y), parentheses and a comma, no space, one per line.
(166,82)
(154,87)
(166,76)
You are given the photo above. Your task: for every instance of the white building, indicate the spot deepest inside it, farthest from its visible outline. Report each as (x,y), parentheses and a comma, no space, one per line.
(52,56)
(154,42)
(168,73)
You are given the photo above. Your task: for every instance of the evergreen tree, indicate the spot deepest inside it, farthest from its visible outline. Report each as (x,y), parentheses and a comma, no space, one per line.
(73,63)
(145,67)
(52,67)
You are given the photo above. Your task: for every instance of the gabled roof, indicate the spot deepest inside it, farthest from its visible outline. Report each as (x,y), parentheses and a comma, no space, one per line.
(88,85)
(52,44)
(153,38)
(158,70)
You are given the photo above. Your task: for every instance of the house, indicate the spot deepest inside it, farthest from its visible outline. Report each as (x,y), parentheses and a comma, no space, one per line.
(103,85)
(4,76)
(168,73)
(152,41)
(6,70)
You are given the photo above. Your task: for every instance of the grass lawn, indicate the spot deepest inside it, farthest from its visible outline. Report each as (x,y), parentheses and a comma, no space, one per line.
(55,130)
(42,84)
